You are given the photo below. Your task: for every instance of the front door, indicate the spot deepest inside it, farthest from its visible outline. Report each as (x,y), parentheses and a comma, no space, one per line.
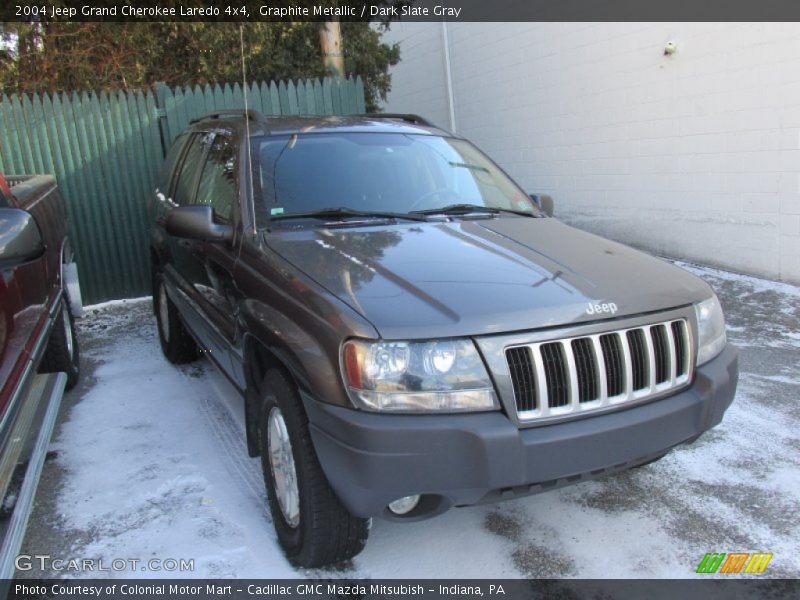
(211,270)
(201,272)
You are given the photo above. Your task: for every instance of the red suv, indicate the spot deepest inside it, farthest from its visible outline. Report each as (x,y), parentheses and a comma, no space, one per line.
(39,295)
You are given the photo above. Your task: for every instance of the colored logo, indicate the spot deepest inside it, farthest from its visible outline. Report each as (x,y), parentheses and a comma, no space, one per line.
(734,562)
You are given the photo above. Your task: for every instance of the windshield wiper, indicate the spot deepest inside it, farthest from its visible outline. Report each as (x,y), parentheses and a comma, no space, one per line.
(343,211)
(465,209)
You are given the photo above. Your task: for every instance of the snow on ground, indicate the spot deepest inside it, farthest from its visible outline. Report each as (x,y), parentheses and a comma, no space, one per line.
(151,463)
(150,469)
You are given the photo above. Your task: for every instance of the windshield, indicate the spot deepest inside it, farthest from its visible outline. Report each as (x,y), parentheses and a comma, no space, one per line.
(377,172)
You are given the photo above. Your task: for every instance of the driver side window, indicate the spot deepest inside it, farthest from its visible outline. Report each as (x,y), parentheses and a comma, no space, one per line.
(187,178)
(217,186)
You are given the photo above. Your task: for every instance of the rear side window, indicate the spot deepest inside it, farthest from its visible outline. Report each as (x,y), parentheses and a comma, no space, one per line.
(184,187)
(165,174)
(217,186)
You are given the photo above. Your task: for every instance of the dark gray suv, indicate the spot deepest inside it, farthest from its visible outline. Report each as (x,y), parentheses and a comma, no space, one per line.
(409,330)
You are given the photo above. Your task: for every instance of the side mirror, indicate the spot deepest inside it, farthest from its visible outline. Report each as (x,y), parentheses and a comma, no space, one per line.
(544,203)
(20,238)
(197,223)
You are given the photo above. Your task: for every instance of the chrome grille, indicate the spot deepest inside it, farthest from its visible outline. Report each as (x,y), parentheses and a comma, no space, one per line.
(572,375)
(586,368)
(679,335)
(521,366)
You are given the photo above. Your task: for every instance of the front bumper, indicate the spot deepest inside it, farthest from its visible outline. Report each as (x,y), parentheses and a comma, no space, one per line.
(455,460)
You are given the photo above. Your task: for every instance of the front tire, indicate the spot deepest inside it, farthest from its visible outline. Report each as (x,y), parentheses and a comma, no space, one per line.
(177,343)
(313,527)
(62,353)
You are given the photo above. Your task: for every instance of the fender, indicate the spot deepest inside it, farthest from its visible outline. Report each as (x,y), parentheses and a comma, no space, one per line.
(271,340)
(258,359)
(302,340)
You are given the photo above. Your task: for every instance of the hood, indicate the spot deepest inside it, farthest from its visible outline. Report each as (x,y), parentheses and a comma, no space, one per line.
(470,277)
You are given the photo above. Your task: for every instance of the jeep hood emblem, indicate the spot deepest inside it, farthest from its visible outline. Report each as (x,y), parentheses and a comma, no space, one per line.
(598,309)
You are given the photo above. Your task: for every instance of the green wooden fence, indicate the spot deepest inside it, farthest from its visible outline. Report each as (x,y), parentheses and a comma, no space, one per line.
(105,150)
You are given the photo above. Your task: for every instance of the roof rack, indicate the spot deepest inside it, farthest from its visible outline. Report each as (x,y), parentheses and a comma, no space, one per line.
(409,118)
(250,114)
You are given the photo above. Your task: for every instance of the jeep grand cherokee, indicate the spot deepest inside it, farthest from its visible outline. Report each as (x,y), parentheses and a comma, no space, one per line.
(409,330)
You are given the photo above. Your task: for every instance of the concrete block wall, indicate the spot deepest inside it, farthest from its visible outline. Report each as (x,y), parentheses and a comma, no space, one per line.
(421,82)
(694,155)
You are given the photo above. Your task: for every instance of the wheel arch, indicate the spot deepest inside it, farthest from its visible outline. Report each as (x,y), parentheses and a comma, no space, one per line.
(156,260)
(309,359)
(66,255)
(68,277)
(259,358)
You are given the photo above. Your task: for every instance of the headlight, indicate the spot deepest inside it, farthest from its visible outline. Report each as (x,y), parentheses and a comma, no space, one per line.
(444,376)
(711,338)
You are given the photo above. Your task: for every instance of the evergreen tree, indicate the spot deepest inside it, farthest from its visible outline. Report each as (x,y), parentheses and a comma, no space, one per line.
(60,56)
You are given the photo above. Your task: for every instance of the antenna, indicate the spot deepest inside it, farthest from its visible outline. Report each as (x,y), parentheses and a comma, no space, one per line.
(251,193)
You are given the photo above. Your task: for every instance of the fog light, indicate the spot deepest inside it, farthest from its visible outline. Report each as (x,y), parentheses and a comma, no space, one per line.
(403,506)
